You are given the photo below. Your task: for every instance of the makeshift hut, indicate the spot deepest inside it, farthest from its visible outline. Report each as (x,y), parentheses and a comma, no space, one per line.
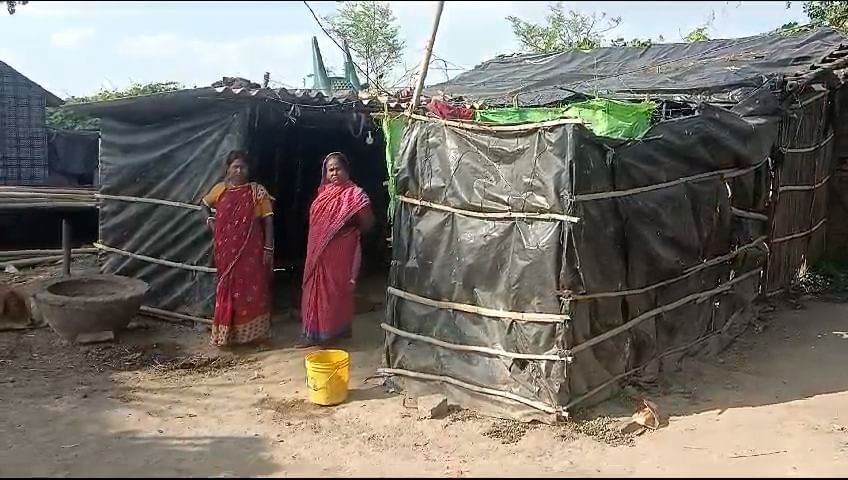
(578,218)
(161,153)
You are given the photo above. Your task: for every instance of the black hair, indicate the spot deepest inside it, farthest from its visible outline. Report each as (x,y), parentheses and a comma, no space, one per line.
(238,155)
(342,158)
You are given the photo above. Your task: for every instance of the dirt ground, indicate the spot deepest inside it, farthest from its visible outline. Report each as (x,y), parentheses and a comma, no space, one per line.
(161,403)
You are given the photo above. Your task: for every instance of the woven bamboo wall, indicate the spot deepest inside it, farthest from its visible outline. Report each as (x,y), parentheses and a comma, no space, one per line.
(802,172)
(23,131)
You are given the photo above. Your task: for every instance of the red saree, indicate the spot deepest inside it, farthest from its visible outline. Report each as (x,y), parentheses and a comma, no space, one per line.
(332,262)
(242,298)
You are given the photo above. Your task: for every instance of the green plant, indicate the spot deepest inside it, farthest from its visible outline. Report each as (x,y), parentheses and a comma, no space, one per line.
(61,118)
(563,30)
(372,34)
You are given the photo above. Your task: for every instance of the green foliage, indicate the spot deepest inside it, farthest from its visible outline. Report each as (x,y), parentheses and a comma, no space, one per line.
(791,28)
(60,118)
(372,34)
(12,5)
(697,35)
(563,30)
(831,14)
(701,33)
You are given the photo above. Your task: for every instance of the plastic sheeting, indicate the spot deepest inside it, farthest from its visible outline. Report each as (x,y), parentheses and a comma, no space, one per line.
(176,160)
(73,155)
(718,70)
(606,118)
(648,271)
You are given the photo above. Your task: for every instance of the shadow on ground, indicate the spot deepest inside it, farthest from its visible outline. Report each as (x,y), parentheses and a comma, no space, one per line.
(64,414)
(800,354)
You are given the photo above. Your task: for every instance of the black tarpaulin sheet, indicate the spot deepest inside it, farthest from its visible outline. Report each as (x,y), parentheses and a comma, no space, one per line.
(72,153)
(176,160)
(725,70)
(663,247)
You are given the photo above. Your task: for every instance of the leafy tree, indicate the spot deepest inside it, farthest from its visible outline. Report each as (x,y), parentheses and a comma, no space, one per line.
(563,30)
(372,34)
(832,14)
(59,118)
(12,5)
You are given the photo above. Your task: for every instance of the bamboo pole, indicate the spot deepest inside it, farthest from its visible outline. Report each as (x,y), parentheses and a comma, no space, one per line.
(47,204)
(68,196)
(66,247)
(425,63)
(172,316)
(39,253)
(28,262)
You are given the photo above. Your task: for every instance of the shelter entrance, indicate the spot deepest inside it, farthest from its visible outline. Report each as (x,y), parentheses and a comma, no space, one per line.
(288,158)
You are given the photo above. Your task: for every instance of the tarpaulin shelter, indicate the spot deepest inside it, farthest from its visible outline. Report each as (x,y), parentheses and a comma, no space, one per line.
(535,265)
(161,153)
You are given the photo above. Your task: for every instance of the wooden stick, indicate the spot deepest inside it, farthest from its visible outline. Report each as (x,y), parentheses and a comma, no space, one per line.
(70,196)
(39,205)
(759,454)
(172,316)
(37,253)
(425,62)
(28,262)
(471,348)
(656,311)
(486,312)
(687,273)
(158,261)
(497,128)
(474,388)
(74,191)
(66,247)
(489,215)
(154,201)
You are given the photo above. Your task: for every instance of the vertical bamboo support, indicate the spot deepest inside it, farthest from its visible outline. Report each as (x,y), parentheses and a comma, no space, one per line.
(66,247)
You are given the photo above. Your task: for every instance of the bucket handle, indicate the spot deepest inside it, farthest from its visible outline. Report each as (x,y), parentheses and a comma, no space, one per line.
(330,377)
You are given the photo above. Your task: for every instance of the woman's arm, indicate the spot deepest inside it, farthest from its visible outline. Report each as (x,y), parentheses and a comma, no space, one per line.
(207,214)
(209,200)
(268,224)
(268,249)
(364,219)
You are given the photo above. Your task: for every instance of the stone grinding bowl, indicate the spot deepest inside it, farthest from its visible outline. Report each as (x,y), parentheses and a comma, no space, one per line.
(88,304)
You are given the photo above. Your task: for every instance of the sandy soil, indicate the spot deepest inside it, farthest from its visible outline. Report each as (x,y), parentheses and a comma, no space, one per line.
(773,404)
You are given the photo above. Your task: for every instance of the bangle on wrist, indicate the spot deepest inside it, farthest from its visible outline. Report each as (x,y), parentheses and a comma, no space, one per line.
(268,249)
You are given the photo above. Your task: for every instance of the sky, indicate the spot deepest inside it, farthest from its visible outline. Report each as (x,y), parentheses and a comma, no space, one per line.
(76,48)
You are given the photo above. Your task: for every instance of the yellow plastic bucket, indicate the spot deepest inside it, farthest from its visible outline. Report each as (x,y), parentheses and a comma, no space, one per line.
(327,376)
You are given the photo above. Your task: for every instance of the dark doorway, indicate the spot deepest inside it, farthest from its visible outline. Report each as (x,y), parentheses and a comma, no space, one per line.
(289,153)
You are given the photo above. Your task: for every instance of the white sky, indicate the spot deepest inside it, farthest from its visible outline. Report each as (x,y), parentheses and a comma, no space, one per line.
(75,48)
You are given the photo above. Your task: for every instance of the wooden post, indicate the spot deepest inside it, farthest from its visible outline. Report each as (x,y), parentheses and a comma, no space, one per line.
(425,63)
(66,247)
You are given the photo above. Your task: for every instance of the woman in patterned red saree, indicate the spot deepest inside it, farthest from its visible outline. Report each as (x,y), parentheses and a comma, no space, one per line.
(338,215)
(243,232)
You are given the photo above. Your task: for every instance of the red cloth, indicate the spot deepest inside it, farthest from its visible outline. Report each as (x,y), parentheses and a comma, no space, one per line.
(243,297)
(332,261)
(448,112)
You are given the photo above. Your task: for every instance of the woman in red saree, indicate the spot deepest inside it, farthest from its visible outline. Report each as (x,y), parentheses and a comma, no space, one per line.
(243,232)
(338,216)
